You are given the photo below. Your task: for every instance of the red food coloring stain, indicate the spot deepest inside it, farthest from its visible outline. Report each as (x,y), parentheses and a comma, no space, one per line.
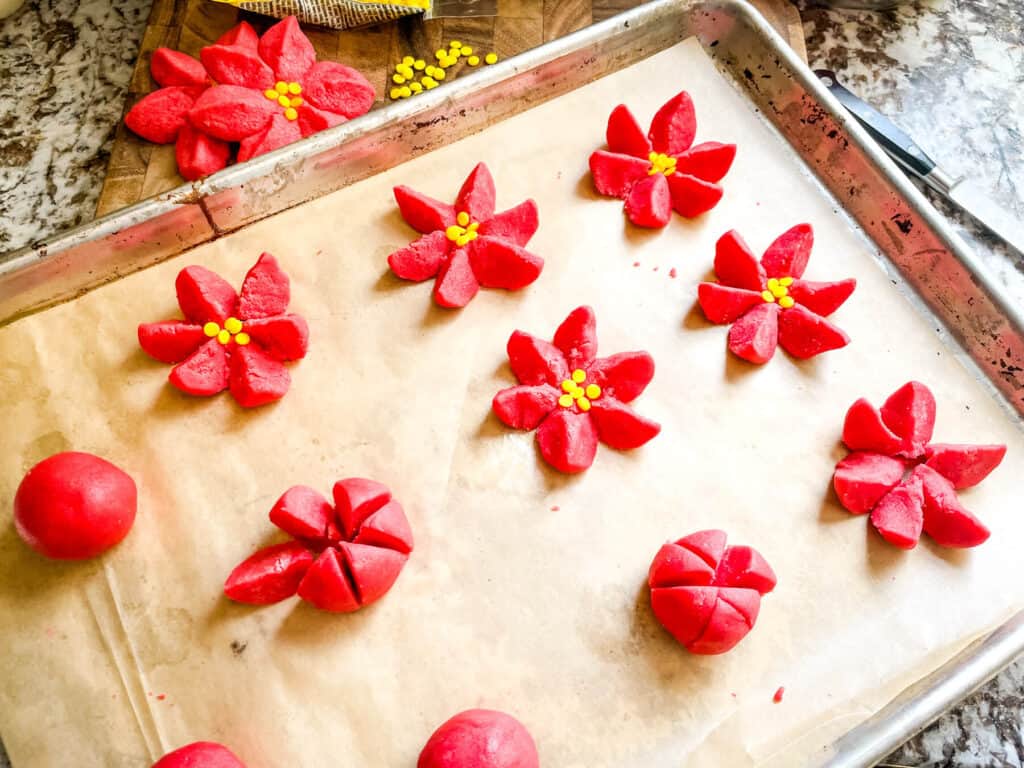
(655,269)
(777,698)
(149,693)
(161,697)
(636,263)
(733,695)
(555,508)
(672,272)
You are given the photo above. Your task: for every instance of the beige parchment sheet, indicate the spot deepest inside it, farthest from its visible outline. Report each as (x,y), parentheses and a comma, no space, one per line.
(507,602)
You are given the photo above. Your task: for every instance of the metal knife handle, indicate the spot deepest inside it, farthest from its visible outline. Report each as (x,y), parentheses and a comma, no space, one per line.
(895,142)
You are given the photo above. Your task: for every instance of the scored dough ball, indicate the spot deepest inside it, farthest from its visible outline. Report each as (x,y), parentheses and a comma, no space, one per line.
(201,754)
(480,738)
(73,506)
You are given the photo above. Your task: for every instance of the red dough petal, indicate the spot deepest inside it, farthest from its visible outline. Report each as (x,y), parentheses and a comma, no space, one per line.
(241,34)
(577,338)
(709,544)
(374,569)
(755,335)
(501,264)
(203,295)
(722,304)
(232,112)
(787,256)
(822,298)
(624,134)
(204,372)
(355,499)
(170,67)
(201,754)
(302,512)
(517,225)
(676,566)
(649,202)
(285,337)
(256,378)
(614,175)
(619,427)
(804,334)
(898,517)
(709,161)
(270,575)
(735,264)
(535,361)
(387,527)
(568,441)
(476,197)
(170,341)
(456,284)
(692,196)
(864,430)
(312,120)
(266,290)
(743,566)
(423,213)
(199,155)
(480,738)
(421,259)
(158,116)
(326,586)
(945,518)
(861,479)
(684,611)
(524,407)
(623,376)
(731,620)
(237,65)
(336,88)
(964,465)
(910,413)
(287,50)
(674,125)
(279,132)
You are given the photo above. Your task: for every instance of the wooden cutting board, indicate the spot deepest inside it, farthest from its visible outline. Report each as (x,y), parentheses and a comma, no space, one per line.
(138,169)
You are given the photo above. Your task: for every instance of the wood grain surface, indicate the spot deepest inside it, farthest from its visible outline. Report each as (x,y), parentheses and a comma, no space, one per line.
(138,169)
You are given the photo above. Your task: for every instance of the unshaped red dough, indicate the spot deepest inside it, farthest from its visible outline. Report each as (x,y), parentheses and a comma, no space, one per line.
(73,506)
(201,754)
(480,738)
(707,594)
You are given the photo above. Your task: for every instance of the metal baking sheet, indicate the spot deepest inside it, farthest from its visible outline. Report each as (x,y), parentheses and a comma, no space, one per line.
(923,253)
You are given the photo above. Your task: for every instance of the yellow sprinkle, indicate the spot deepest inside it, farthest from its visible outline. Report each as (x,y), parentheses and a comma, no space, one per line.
(577,393)
(294,89)
(415,87)
(474,226)
(440,53)
(270,93)
(291,113)
(439,74)
(398,78)
(565,401)
(281,86)
(223,336)
(233,325)
(466,51)
(472,234)
(652,156)
(454,231)
(786,281)
(786,302)
(296,101)
(491,58)
(772,283)
(242,339)
(430,83)
(579,375)
(455,44)
(473,61)
(419,64)
(284,101)
(407,72)
(211,329)
(464,240)
(408,60)
(584,404)
(568,385)
(768,296)
(462,218)
(429,71)
(593,391)
(406,91)
(395,93)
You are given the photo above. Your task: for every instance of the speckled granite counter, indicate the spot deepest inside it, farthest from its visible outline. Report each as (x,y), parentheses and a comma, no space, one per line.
(952,73)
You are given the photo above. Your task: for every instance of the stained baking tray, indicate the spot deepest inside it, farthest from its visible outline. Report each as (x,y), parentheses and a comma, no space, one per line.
(918,248)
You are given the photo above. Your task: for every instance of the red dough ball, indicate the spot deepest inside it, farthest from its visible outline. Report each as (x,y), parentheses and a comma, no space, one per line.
(708,595)
(201,754)
(480,738)
(73,506)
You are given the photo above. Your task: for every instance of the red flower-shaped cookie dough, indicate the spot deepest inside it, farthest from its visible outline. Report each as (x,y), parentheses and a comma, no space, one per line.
(341,558)
(708,595)
(768,303)
(662,170)
(229,340)
(572,397)
(905,481)
(201,754)
(467,245)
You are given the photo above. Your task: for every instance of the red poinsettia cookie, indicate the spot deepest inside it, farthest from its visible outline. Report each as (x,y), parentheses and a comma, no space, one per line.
(663,170)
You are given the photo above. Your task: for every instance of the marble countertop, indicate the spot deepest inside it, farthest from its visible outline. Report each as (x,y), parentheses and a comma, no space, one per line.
(950,72)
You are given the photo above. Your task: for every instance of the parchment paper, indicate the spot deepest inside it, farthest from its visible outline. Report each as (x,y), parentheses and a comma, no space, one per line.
(525,591)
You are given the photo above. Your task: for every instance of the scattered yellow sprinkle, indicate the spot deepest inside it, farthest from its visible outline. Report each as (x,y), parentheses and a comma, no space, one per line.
(284,101)
(407,72)
(296,101)
(242,339)
(395,93)
(415,87)
(466,51)
(786,282)
(786,302)
(233,325)
(462,218)
(454,232)
(579,375)
(281,86)
(473,61)
(223,336)
(474,226)
(408,60)
(583,403)
(270,93)
(455,44)
(463,240)
(568,386)
(439,74)
(440,53)
(429,83)
(429,71)
(772,283)
(768,296)
(398,78)
(491,58)
(291,113)
(593,391)
(294,89)
(211,329)
(405,91)
(565,401)
(419,64)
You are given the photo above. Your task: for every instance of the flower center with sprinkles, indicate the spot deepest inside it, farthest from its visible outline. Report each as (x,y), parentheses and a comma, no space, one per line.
(778,290)
(287,96)
(232,331)
(576,393)
(464,231)
(661,163)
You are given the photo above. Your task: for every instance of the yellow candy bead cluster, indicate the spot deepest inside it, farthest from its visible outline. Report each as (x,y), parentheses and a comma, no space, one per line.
(431,75)
(577,394)
(232,331)
(778,290)
(464,232)
(287,96)
(661,164)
